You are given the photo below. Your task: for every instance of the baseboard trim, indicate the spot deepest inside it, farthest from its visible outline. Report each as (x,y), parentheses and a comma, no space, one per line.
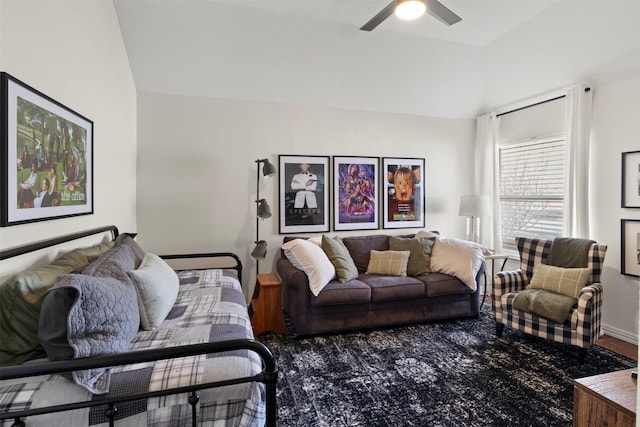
(620,334)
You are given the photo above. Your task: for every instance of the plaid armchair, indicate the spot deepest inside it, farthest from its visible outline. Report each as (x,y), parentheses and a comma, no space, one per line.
(582,327)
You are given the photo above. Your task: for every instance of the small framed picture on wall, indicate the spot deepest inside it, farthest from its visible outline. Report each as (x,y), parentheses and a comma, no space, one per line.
(304,194)
(355,193)
(630,236)
(631,179)
(403,195)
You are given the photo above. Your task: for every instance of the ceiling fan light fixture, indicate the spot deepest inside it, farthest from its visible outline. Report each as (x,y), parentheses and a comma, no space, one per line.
(410,9)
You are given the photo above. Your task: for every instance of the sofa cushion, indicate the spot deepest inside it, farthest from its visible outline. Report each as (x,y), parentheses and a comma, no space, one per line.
(86,316)
(565,281)
(360,248)
(156,285)
(437,284)
(420,249)
(391,288)
(311,259)
(392,263)
(336,293)
(339,256)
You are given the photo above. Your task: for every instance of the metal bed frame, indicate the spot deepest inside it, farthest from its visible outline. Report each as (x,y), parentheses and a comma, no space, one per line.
(268,375)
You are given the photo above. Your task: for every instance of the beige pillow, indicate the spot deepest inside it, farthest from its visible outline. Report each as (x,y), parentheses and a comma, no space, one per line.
(458,258)
(388,263)
(311,259)
(566,281)
(157,289)
(420,249)
(340,258)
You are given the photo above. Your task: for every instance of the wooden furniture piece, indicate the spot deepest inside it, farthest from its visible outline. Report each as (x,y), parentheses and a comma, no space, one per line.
(267,305)
(605,400)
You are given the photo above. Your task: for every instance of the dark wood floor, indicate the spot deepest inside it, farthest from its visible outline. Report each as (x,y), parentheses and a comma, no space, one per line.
(621,347)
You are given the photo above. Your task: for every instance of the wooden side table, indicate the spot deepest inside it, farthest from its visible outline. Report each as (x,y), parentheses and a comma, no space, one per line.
(605,400)
(267,305)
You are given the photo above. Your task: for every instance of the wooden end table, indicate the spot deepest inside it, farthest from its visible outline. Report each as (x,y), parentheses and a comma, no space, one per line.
(267,305)
(605,400)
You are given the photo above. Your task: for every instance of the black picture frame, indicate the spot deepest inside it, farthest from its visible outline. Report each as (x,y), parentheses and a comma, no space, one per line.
(631,179)
(47,171)
(630,253)
(356,192)
(408,211)
(304,201)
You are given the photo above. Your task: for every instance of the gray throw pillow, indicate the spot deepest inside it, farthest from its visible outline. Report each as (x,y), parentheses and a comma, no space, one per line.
(84,316)
(339,256)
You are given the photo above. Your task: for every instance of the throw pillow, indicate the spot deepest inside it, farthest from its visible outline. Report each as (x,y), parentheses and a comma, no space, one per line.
(566,281)
(114,263)
(21,299)
(311,259)
(459,258)
(156,285)
(127,240)
(85,316)
(340,258)
(420,249)
(388,263)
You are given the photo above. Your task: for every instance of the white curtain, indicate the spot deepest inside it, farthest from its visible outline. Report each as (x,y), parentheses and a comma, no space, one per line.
(577,147)
(486,174)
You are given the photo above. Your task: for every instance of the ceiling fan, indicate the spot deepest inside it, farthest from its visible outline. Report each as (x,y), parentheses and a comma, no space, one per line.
(433,7)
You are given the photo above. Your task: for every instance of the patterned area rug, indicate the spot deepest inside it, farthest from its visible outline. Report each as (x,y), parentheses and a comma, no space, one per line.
(450,373)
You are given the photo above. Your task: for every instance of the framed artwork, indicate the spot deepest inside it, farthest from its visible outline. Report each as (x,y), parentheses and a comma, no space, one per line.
(404,193)
(355,193)
(631,179)
(47,161)
(304,194)
(630,232)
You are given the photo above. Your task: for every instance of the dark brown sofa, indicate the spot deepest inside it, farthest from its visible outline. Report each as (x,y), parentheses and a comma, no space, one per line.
(373,300)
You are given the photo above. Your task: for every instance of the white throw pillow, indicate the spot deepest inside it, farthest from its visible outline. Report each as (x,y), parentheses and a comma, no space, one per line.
(311,259)
(157,288)
(459,258)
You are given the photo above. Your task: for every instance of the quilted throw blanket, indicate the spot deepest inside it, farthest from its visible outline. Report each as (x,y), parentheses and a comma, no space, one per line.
(210,307)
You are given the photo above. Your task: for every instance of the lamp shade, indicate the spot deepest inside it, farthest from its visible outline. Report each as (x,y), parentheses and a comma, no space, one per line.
(263,209)
(410,9)
(268,168)
(475,205)
(260,251)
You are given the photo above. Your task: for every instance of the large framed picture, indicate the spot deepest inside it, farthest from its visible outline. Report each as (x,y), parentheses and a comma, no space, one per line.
(355,193)
(631,179)
(404,193)
(630,232)
(304,194)
(47,162)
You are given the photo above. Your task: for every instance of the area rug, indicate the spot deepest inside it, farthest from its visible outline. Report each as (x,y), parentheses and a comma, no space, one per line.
(449,373)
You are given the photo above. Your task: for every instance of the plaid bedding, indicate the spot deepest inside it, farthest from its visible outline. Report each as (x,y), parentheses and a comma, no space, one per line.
(210,307)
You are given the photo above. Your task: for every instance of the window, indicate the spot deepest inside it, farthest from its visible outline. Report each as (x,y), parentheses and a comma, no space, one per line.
(531,190)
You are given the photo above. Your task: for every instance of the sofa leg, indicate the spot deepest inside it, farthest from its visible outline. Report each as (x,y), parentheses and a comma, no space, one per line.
(499,329)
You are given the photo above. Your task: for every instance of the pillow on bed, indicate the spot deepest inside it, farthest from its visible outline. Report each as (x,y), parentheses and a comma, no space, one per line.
(113,263)
(156,285)
(311,259)
(126,239)
(86,316)
(21,298)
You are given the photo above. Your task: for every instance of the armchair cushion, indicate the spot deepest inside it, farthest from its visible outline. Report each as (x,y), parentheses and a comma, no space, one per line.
(565,281)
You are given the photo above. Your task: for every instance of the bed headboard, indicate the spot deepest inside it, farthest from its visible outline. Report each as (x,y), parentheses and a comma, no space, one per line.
(32,247)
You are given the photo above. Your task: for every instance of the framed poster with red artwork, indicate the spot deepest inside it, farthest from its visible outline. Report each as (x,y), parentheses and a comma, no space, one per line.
(404,192)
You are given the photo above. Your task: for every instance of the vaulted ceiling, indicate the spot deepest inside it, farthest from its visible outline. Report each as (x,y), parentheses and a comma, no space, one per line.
(311,52)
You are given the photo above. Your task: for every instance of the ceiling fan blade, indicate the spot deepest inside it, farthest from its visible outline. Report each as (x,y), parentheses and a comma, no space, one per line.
(442,13)
(381,16)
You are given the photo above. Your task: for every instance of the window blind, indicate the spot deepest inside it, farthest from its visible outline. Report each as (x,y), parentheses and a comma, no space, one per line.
(531,190)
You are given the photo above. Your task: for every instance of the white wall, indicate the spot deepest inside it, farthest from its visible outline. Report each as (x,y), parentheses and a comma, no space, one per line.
(615,129)
(73,52)
(197,171)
